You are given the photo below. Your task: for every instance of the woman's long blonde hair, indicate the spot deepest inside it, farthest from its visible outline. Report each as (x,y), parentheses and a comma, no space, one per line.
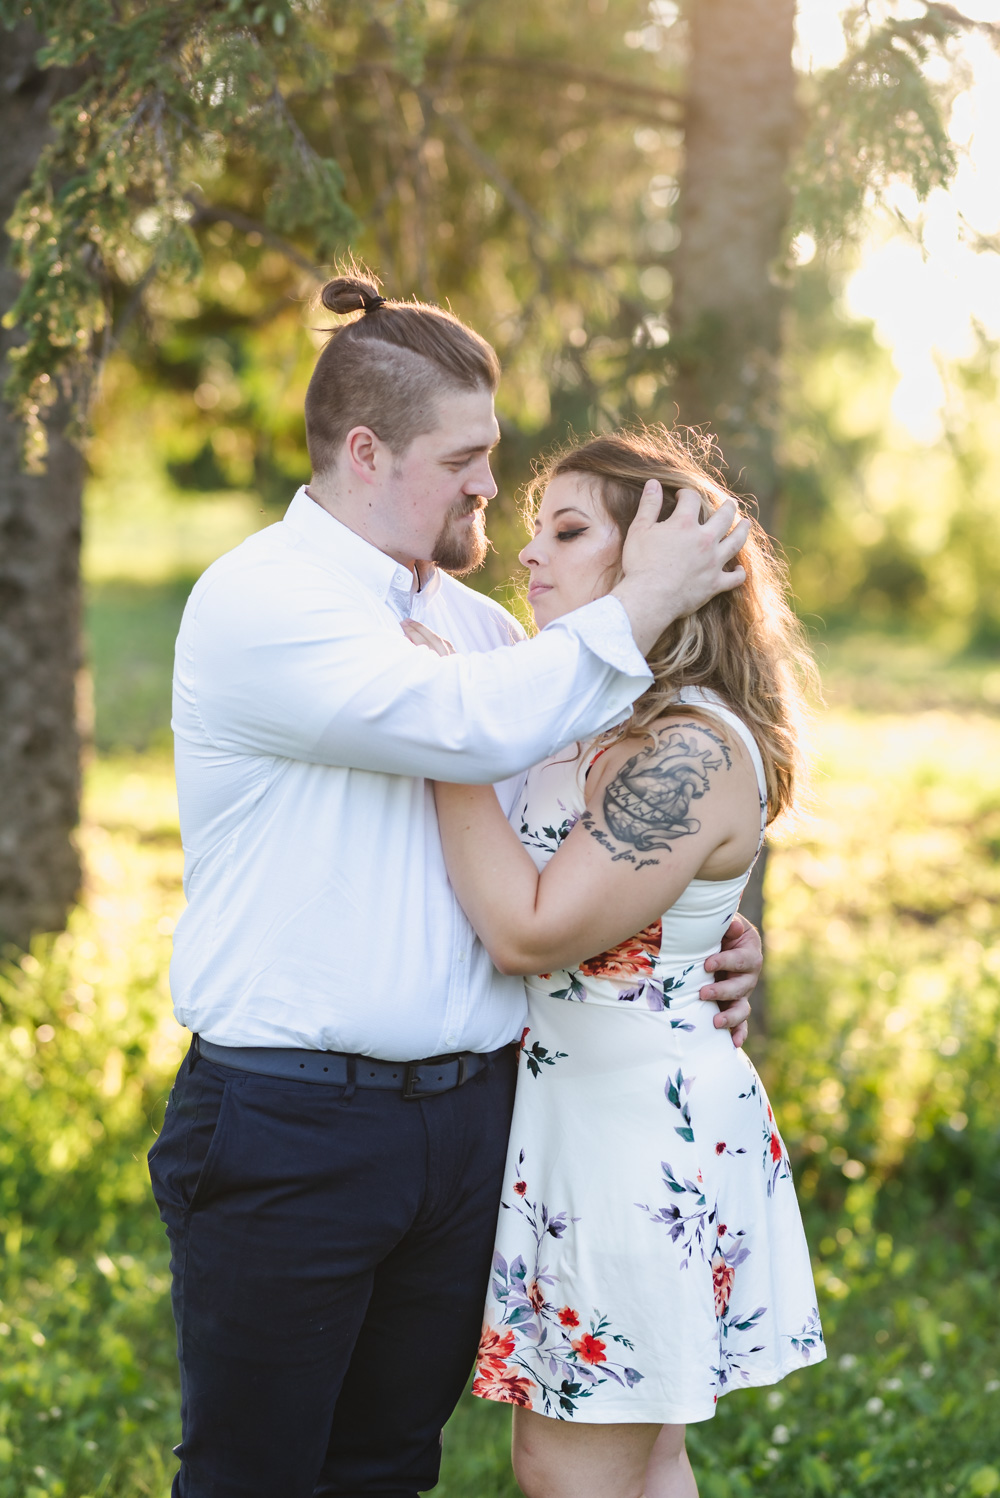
(746,645)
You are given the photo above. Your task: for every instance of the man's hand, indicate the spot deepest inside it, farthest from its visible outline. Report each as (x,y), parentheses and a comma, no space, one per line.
(739,963)
(673,566)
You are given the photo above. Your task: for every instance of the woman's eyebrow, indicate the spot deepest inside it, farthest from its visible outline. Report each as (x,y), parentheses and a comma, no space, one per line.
(566,510)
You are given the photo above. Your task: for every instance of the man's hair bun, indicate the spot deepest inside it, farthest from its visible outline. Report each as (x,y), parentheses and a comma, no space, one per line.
(350,294)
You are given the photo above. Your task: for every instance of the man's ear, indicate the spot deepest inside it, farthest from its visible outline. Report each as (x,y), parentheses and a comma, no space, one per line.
(361,448)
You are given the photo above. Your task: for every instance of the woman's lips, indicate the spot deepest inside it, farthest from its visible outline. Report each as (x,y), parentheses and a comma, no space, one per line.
(537,589)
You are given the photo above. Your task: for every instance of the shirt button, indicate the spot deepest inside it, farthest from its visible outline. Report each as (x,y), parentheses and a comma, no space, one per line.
(451,1040)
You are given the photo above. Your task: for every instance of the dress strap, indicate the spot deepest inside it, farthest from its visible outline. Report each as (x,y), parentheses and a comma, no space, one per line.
(591,758)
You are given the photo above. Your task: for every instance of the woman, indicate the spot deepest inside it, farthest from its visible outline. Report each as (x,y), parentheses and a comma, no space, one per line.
(650,1254)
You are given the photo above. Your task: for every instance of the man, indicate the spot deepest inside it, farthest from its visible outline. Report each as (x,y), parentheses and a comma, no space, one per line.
(330,1195)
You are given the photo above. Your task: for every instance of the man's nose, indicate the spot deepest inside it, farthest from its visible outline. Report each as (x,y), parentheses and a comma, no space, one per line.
(482,482)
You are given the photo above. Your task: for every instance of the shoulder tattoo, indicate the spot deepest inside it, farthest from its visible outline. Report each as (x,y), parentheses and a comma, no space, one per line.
(648,803)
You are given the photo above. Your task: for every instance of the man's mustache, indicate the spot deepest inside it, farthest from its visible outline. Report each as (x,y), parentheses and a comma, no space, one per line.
(469,507)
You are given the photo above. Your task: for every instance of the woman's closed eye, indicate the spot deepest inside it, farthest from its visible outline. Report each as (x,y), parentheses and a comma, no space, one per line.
(580,530)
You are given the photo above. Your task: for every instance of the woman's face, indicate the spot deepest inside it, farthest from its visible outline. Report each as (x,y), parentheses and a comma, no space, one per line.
(574,553)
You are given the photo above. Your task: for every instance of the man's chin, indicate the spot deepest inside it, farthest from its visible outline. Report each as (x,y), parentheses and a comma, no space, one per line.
(459,554)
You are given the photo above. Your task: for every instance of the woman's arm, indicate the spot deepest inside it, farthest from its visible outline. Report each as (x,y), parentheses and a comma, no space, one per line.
(660,810)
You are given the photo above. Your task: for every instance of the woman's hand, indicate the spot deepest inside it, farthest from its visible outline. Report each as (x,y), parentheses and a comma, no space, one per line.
(419,634)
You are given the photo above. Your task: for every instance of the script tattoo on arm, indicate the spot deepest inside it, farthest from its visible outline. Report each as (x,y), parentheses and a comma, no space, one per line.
(648,803)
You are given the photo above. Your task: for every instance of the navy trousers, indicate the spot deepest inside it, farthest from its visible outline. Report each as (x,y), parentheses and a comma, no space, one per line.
(330,1252)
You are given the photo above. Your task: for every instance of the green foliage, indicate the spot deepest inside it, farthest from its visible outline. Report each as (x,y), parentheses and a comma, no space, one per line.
(877,118)
(131,629)
(884,532)
(519,163)
(524,162)
(167,97)
(87,1398)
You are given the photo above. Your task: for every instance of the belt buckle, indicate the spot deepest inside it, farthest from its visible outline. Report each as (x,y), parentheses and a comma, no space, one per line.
(409,1082)
(410,1078)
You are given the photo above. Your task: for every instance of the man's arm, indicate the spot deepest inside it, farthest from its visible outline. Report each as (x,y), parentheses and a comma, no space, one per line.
(275,658)
(321,679)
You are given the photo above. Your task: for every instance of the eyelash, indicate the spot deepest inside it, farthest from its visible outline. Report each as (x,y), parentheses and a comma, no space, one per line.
(572,535)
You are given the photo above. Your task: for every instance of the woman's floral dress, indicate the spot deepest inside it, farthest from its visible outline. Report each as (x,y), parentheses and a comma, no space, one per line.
(650,1254)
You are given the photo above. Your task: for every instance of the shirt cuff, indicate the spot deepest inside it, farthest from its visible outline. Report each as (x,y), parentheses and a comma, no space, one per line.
(603,626)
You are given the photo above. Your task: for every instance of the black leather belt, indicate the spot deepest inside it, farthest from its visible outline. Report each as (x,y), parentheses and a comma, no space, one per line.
(415,1079)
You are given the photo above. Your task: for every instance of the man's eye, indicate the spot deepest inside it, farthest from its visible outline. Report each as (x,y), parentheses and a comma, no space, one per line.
(572,535)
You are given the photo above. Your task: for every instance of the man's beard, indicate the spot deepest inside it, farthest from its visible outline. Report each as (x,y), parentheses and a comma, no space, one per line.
(461,545)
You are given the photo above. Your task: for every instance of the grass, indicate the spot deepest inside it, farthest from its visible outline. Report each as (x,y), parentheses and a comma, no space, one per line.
(885,956)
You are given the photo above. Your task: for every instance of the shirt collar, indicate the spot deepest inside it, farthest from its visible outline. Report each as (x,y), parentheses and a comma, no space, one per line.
(389,580)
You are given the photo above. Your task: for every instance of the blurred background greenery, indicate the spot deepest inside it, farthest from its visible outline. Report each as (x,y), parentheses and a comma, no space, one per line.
(546,211)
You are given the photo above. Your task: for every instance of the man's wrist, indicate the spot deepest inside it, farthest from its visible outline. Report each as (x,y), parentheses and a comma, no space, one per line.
(605,629)
(647,621)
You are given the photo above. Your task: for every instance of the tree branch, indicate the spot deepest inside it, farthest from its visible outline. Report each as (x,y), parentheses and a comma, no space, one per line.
(210,213)
(949,13)
(553,68)
(630,98)
(487,165)
(539,228)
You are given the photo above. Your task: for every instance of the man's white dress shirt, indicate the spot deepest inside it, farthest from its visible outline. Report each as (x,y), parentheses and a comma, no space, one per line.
(319,910)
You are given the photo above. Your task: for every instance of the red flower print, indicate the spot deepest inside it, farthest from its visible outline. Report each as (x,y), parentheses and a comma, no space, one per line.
(568,1317)
(723,1275)
(723,1230)
(495,1348)
(720,1148)
(520,1187)
(590,1349)
(502,1386)
(524,1035)
(775,1146)
(630,959)
(536,1295)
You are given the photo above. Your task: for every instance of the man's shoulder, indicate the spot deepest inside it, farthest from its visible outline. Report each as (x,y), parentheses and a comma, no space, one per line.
(262,547)
(479,608)
(271,569)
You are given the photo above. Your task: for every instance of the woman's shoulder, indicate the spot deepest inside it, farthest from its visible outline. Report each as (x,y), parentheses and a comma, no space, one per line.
(689,743)
(684,771)
(708,722)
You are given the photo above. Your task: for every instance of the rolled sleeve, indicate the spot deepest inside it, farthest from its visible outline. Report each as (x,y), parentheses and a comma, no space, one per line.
(603,626)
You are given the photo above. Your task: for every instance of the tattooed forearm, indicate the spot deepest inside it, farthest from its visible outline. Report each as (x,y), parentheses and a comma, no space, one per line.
(647,805)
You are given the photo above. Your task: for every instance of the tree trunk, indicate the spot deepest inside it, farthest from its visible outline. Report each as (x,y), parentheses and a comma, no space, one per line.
(740,125)
(740,122)
(39,585)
